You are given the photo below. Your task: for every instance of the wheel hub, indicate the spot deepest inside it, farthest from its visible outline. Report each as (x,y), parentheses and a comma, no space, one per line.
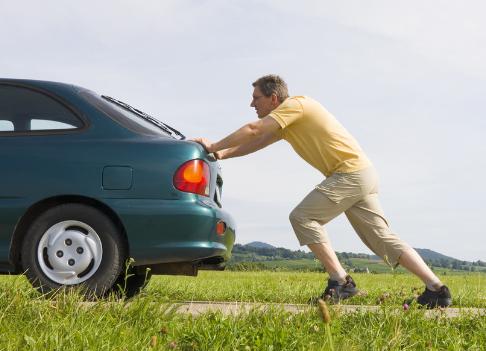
(69,252)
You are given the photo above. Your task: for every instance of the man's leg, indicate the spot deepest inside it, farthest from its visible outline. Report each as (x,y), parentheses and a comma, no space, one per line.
(412,261)
(307,220)
(366,217)
(326,255)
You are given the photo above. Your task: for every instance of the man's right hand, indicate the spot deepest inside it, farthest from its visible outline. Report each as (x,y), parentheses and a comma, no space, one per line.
(205,143)
(219,154)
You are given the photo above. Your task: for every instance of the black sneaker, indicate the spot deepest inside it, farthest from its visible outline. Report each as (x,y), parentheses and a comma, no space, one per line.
(336,292)
(432,299)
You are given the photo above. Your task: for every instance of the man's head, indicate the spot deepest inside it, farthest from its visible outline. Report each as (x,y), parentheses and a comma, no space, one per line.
(269,92)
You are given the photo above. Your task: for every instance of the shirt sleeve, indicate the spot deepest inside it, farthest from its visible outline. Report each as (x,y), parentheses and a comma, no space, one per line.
(287,112)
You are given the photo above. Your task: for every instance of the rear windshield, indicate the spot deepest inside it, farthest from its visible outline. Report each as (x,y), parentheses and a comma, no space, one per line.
(126,118)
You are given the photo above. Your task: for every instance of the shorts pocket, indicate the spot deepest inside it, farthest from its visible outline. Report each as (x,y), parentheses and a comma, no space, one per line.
(341,186)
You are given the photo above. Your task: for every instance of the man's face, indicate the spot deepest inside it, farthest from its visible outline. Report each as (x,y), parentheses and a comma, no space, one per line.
(263,104)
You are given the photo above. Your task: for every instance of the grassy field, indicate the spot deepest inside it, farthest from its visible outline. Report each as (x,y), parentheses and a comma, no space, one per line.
(296,287)
(31,322)
(309,265)
(247,262)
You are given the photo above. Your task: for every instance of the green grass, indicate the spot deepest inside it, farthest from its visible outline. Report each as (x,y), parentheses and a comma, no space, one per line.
(292,265)
(250,262)
(31,322)
(469,290)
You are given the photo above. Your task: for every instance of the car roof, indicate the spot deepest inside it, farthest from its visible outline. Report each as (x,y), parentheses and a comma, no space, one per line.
(42,84)
(68,91)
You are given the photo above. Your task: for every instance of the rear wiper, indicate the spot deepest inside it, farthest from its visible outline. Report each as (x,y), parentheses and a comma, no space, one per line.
(166,128)
(159,123)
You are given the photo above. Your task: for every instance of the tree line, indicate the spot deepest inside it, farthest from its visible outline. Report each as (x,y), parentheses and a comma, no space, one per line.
(254,254)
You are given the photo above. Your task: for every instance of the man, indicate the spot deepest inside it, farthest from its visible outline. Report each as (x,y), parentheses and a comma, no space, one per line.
(350,186)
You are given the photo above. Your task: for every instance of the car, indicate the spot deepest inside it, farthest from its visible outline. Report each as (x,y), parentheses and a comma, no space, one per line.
(99,195)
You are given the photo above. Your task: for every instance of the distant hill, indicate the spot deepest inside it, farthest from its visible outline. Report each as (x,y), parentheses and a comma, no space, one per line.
(260,254)
(260,245)
(432,255)
(426,254)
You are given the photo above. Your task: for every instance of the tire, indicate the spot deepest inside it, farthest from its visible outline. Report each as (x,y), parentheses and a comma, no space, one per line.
(130,283)
(73,245)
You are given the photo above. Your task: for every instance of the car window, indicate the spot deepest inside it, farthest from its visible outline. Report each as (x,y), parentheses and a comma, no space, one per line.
(42,124)
(124,117)
(136,119)
(25,110)
(6,126)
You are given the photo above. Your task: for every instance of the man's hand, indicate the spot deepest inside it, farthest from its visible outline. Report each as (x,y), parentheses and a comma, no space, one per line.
(249,138)
(209,146)
(205,143)
(219,154)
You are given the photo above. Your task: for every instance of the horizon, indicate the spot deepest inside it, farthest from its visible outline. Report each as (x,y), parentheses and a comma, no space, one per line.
(358,253)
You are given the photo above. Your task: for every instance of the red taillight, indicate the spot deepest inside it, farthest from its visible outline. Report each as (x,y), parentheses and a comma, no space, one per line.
(193,177)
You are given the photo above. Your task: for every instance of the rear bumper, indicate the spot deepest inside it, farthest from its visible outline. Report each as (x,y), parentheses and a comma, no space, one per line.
(171,231)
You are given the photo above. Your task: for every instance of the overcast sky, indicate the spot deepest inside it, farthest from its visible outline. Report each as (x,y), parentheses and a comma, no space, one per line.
(406,78)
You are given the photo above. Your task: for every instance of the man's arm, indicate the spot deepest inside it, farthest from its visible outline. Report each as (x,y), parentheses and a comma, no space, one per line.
(248,148)
(250,133)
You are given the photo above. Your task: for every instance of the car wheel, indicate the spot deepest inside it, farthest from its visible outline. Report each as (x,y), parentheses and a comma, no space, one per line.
(130,283)
(73,245)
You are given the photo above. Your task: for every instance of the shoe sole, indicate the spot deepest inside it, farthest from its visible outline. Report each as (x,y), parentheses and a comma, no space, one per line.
(337,299)
(442,303)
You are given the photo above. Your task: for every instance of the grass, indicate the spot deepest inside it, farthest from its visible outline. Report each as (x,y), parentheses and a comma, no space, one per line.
(248,262)
(314,265)
(31,322)
(469,290)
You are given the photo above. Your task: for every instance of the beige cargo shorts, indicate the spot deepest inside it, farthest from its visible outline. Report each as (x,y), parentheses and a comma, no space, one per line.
(355,194)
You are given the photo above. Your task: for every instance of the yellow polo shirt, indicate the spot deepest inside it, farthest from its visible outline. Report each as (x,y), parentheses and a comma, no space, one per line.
(318,137)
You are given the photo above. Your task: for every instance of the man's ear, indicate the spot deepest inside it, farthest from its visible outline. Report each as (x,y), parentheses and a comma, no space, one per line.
(275,101)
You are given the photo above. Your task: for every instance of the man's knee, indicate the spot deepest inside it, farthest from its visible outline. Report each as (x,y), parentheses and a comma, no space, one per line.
(308,231)
(296,216)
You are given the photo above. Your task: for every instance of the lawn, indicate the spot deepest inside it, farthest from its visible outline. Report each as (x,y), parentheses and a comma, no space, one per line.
(469,289)
(32,322)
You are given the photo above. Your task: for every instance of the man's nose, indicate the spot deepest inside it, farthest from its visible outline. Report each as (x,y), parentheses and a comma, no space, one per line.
(252,104)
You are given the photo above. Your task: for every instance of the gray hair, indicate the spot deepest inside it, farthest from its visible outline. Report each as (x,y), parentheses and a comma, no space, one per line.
(272,84)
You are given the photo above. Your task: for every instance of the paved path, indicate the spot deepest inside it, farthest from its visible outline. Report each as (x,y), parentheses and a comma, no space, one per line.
(198,307)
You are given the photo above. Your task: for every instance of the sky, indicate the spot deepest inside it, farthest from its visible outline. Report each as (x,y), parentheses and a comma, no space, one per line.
(406,78)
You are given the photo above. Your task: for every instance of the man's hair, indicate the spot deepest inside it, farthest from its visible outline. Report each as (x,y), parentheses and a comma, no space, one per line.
(272,84)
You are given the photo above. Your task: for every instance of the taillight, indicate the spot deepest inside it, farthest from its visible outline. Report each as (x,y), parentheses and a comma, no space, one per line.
(193,177)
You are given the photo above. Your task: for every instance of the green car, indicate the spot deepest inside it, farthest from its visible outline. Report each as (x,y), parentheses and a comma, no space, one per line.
(89,183)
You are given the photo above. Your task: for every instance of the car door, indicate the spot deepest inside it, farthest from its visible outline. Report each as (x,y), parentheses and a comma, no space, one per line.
(31,123)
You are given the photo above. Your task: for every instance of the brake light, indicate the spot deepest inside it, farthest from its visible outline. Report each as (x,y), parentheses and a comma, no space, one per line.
(193,177)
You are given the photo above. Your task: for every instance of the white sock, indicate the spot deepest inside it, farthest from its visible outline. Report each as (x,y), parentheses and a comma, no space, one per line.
(434,284)
(339,276)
